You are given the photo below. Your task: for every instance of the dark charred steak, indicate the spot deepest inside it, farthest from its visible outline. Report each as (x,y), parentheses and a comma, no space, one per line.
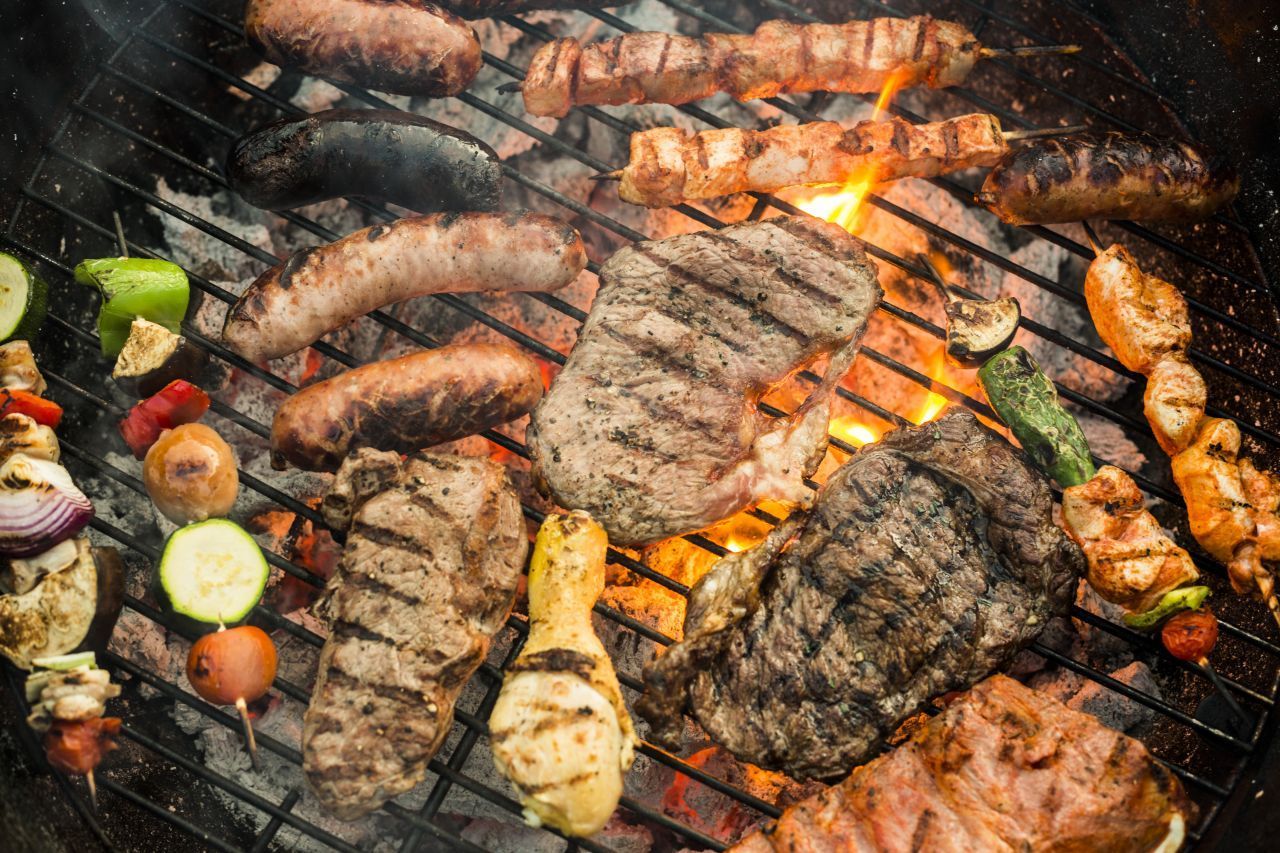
(928,561)
(652,424)
(434,552)
(1004,768)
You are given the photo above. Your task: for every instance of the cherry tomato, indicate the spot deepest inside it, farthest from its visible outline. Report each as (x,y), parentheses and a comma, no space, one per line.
(1191,634)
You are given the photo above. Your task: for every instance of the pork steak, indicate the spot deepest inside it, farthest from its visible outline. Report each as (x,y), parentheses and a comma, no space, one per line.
(929,560)
(434,551)
(652,426)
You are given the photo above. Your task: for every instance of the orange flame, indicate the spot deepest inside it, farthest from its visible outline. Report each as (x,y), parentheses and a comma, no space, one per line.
(842,206)
(853,431)
(934,403)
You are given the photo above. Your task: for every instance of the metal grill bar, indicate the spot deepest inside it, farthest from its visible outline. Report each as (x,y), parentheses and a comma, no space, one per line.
(474,726)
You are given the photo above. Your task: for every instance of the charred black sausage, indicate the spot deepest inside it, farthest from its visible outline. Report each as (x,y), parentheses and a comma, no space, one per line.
(409,47)
(382,155)
(404,404)
(1108,176)
(321,289)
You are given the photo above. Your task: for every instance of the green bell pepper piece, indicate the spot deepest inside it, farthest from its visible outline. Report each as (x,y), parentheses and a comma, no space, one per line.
(135,287)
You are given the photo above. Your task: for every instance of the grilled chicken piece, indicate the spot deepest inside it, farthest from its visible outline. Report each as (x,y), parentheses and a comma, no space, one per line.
(1262,489)
(652,424)
(660,68)
(1174,402)
(1004,768)
(929,559)
(560,730)
(669,165)
(1131,561)
(1141,317)
(428,576)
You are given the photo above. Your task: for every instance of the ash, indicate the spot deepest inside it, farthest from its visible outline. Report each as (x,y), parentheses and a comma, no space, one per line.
(473,816)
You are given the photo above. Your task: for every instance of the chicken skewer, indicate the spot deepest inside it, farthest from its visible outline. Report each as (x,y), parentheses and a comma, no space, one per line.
(1231,504)
(669,165)
(780,56)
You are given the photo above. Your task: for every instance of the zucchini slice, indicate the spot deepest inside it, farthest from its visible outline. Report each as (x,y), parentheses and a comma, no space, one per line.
(213,571)
(22,299)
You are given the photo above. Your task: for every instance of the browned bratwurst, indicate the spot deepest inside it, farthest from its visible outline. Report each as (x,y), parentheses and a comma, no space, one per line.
(404,404)
(1110,175)
(493,8)
(294,304)
(408,47)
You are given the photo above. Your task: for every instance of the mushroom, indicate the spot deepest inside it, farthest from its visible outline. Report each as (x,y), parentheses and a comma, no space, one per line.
(976,328)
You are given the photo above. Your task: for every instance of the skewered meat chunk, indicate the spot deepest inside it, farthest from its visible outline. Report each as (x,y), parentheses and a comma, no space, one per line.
(929,559)
(1111,175)
(1131,561)
(652,424)
(1004,768)
(1141,317)
(1174,402)
(669,165)
(857,56)
(429,574)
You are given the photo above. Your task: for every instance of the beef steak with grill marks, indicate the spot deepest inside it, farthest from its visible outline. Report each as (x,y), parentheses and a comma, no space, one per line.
(929,560)
(433,556)
(652,425)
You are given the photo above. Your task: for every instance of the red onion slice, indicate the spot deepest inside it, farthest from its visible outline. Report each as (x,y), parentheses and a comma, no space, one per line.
(39,506)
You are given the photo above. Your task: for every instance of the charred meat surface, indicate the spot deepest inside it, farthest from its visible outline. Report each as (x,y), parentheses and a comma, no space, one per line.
(652,424)
(382,155)
(429,574)
(1109,175)
(494,8)
(1004,768)
(929,560)
(408,47)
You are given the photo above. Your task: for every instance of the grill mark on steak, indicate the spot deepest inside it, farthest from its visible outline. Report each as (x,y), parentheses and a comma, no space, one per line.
(929,560)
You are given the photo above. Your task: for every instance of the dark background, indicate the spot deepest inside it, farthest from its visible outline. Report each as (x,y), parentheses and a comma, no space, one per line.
(1216,60)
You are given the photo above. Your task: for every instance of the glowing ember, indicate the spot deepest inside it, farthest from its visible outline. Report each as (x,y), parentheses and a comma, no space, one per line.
(842,206)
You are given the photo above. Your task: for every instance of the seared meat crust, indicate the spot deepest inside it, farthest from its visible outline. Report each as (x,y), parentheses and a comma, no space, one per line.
(929,560)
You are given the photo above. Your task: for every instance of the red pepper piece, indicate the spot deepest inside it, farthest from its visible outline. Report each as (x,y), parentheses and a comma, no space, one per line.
(76,746)
(175,404)
(42,411)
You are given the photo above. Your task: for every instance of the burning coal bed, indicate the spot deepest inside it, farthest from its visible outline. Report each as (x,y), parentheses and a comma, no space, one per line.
(139,639)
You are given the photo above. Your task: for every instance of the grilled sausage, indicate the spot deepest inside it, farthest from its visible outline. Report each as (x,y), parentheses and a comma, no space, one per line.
(409,47)
(320,289)
(494,8)
(1108,176)
(383,155)
(404,404)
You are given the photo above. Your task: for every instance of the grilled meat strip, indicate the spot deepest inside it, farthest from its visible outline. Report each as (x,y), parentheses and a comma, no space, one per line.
(652,424)
(408,47)
(1003,769)
(660,68)
(429,574)
(929,560)
(669,165)
(1110,175)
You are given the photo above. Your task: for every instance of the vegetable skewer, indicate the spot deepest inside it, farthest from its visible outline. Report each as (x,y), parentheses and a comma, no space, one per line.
(857,56)
(976,328)
(669,165)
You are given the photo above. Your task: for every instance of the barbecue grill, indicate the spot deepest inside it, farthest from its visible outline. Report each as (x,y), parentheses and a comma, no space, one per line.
(178,88)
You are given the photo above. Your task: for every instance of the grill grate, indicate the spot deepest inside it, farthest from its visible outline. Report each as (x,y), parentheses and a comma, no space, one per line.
(157,34)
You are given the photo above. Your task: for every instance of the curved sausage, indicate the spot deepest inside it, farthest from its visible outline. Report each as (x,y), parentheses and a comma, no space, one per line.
(383,155)
(320,289)
(1108,176)
(408,47)
(404,404)
(493,8)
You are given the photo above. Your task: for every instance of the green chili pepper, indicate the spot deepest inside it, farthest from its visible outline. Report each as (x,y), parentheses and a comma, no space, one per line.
(135,287)
(1026,400)
(1175,601)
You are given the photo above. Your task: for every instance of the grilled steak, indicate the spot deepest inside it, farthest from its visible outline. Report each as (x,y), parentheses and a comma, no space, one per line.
(652,424)
(429,574)
(929,560)
(1004,768)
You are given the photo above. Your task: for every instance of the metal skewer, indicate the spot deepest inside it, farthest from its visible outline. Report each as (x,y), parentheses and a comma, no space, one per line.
(1242,719)
(1094,242)
(513,86)
(1030,50)
(615,175)
(1040,132)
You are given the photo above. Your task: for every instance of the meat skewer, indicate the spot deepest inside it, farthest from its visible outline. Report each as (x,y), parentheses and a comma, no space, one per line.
(1231,505)
(669,165)
(780,56)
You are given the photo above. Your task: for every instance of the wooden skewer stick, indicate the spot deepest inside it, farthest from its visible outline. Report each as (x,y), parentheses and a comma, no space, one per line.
(250,741)
(120,243)
(93,790)
(1241,718)
(936,277)
(1092,236)
(1040,132)
(615,175)
(1030,50)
